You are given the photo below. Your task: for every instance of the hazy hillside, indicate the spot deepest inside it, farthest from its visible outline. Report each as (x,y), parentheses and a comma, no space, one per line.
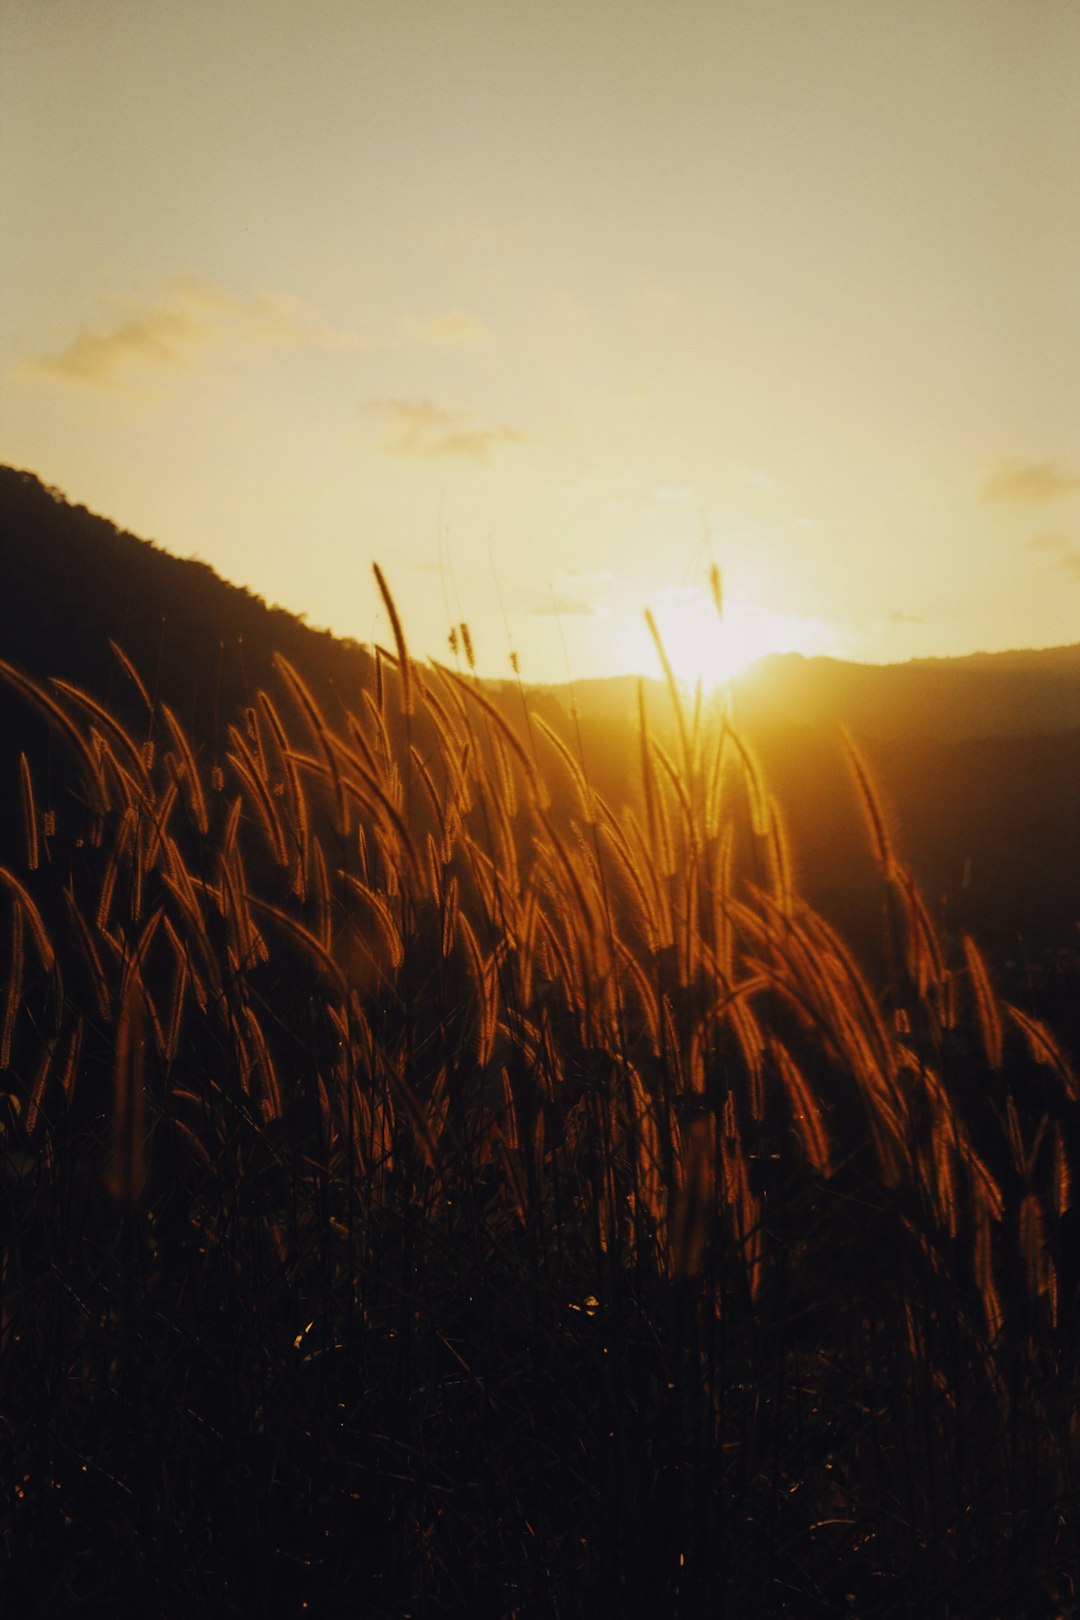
(978,757)
(939,699)
(985,809)
(72,580)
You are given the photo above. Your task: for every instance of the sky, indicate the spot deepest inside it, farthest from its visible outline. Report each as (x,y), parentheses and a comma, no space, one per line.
(548,307)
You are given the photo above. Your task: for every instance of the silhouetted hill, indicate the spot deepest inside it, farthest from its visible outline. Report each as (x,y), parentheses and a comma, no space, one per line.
(938,699)
(978,758)
(72,580)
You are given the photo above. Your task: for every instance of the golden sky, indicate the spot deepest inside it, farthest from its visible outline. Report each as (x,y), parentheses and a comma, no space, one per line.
(547,306)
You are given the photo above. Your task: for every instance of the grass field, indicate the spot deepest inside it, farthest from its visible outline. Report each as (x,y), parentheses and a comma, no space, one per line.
(432,1189)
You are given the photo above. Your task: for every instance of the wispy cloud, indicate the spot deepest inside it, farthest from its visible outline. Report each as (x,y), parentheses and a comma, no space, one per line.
(571,593)
(559,605)
(1060,548)
(430,432)
(906,618)
(1029,483)
(188,319)
(455,330)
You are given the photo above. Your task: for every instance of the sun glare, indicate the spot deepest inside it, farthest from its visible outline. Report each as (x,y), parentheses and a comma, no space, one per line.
(703,648)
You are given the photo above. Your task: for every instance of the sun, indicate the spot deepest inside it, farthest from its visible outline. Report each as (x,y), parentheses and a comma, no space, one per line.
(706,649)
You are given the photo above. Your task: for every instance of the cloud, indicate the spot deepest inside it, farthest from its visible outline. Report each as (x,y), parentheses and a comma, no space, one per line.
(429,432)
(1028,483)
(560,606)
(453,331)
(189,318)
(906,618)
(571,593)
(1060,548)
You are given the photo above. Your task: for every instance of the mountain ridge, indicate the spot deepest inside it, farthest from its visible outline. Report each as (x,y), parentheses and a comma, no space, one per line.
(979,756)
(1010,692)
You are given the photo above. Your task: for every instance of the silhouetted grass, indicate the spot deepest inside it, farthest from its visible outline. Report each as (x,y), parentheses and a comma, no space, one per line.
(424,1200)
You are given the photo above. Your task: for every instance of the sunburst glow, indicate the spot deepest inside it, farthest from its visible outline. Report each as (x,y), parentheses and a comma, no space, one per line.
(703,647)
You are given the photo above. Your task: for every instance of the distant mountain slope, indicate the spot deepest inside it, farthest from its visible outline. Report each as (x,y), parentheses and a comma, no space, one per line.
(978,757)
(1007,694)
(70,581)
(940,699)
(990,825)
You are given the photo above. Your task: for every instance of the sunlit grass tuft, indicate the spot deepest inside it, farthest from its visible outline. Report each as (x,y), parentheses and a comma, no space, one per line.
(342,1069)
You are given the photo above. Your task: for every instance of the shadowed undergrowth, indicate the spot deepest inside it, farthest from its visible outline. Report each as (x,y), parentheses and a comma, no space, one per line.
(435,1189)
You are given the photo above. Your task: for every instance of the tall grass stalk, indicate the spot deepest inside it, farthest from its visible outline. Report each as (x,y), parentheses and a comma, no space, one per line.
(432,1183)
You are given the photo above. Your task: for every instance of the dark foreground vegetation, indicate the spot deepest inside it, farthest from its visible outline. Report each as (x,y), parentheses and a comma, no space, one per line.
(431,1188)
